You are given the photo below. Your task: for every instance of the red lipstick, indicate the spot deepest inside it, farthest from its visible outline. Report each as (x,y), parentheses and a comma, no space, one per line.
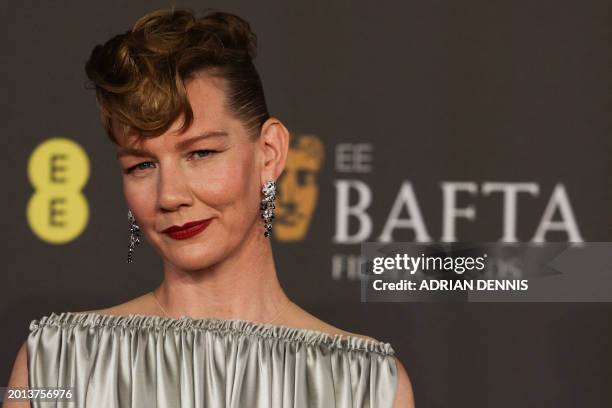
(187,230)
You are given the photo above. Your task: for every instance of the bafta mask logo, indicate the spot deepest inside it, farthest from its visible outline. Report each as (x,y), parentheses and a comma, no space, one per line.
(298,190)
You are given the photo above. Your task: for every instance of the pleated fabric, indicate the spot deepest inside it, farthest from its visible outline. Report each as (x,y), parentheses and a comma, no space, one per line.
(121,361)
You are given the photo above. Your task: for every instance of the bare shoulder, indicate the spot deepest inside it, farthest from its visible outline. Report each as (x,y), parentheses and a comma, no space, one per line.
(19,376)
(404,396)
(302,318)
(298,317)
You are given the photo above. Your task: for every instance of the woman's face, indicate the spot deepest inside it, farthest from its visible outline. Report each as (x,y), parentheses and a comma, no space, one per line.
(212,171)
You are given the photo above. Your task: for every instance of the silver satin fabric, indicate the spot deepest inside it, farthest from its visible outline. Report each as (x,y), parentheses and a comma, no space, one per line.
(152,361)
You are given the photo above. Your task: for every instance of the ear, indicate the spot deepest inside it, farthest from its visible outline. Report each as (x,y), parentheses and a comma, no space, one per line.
(274,145)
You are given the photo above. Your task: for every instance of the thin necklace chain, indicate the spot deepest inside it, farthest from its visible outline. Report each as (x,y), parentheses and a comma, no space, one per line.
(274,318)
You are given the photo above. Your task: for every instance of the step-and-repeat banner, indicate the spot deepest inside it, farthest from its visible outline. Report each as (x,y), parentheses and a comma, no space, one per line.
(417,121)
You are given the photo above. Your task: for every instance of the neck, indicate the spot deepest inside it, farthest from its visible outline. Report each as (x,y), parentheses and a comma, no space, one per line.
(242,286)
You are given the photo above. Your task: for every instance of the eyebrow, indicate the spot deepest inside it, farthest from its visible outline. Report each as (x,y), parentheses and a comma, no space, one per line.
(183,144)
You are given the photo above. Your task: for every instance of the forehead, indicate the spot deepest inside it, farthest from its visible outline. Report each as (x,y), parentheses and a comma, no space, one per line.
(207,98)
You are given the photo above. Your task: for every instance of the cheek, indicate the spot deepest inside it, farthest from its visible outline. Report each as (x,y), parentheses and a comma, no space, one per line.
(231,186)
(138,197)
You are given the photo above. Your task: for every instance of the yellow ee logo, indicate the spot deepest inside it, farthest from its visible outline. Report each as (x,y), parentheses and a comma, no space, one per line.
(58,170)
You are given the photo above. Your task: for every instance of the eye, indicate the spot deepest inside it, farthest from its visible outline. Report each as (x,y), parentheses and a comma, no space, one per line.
(203,153)
(137,167)
(145,165)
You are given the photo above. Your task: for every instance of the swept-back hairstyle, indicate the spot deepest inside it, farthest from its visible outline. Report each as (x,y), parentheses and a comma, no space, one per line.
(140,76)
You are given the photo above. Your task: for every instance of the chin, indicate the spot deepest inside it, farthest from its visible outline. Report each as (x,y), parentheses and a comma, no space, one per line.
(192,262)
(193,257)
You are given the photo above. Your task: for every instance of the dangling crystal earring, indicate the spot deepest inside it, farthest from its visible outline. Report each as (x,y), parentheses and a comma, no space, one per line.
(267,206)
(134,236)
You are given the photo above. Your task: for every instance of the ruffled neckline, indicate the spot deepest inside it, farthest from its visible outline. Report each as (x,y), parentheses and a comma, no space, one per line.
(224,326)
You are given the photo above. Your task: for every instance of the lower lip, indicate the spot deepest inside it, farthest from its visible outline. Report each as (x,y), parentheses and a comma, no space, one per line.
(189,232)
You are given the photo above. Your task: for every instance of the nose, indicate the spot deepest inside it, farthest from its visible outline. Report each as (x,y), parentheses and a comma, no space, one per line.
(172,188)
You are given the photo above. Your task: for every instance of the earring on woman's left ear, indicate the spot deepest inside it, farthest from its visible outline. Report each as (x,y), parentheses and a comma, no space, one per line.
(267,206)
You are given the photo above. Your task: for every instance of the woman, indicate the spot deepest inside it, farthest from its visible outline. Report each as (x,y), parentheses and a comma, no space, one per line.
(183,103)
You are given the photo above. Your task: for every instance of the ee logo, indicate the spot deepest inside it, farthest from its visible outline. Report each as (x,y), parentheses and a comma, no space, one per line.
(58,170)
